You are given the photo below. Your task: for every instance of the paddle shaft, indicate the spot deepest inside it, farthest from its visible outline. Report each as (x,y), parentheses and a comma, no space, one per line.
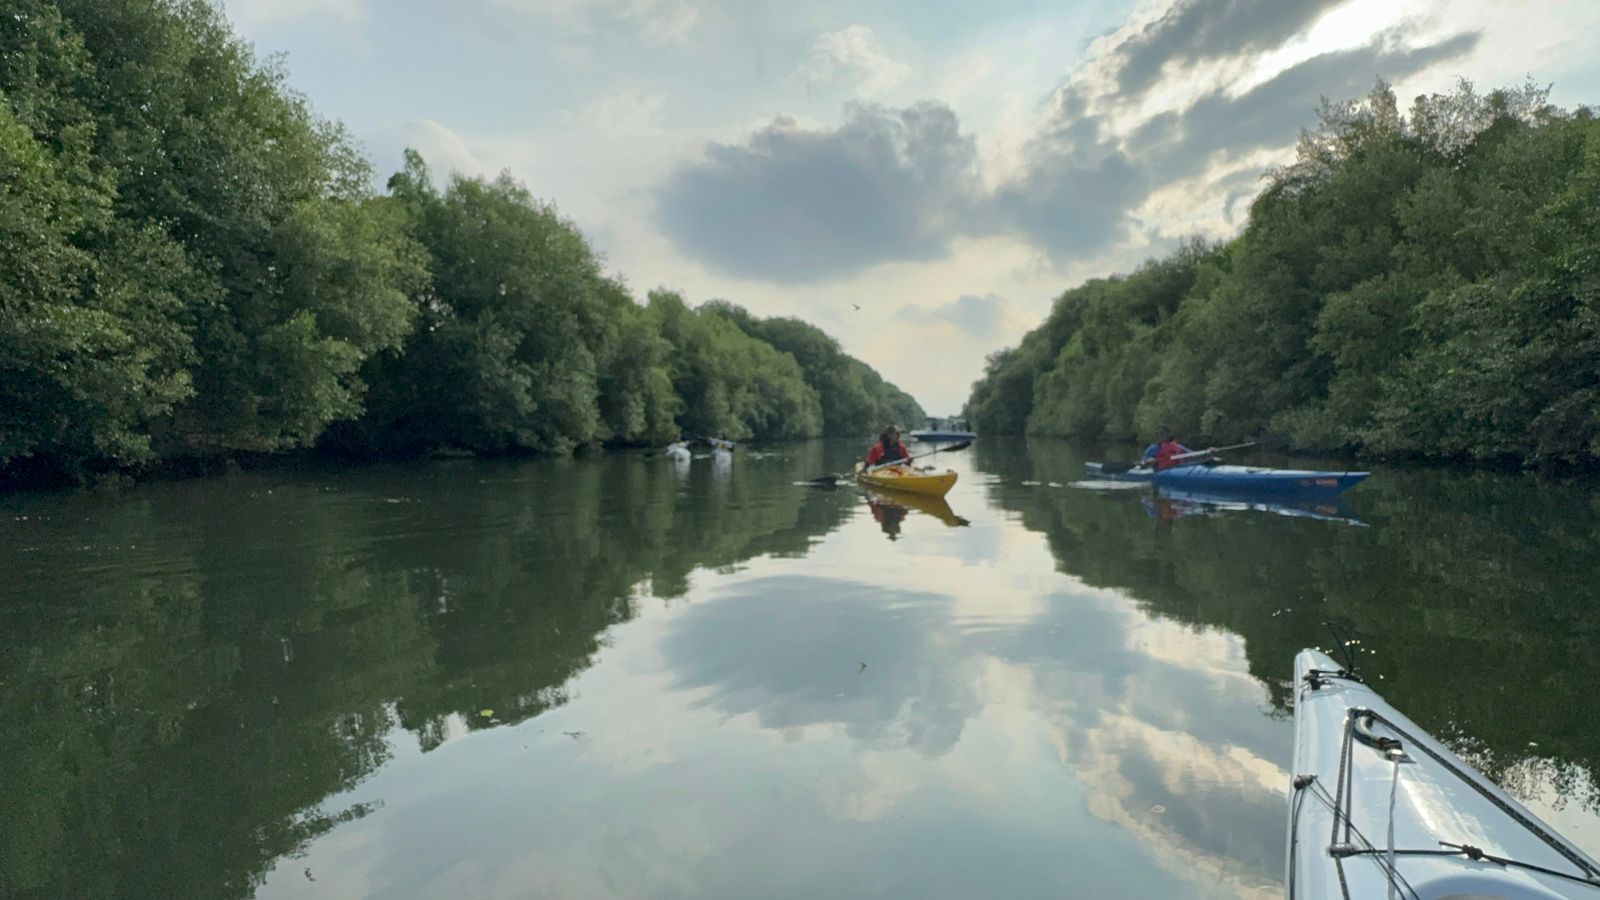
(1212,450)
(1193,454)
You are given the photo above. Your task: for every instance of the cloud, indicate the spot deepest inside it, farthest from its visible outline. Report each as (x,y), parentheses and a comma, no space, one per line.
(624,112)
(658,21)
(1076,202)
(252,14)
(974,316)
(802,205)
(798,204)
(1190,31)
(1180,143)
(1082,183)
(441,148)
(853,53)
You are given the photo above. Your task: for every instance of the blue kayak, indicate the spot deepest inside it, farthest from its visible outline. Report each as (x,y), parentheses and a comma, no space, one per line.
(1253,480)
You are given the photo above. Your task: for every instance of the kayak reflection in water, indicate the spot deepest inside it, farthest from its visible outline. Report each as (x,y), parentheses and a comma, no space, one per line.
(888,449)
(1165,511)
(1164,449)
(889,516)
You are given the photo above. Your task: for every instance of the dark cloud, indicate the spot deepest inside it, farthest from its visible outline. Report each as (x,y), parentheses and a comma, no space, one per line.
(1080,186)
(1236,187)
(1195,30)
(1070,204)
(1178,144)
(803,205)
(796,204)
(975,316)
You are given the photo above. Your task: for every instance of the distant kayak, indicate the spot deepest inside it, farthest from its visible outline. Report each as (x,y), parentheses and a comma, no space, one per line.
(1378,808)
(939,431)
(940,435)
(677,452)
(936,483)
(1236,479)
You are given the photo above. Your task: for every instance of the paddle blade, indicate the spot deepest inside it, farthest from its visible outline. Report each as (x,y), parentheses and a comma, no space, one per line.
(824,481)
(1117,468)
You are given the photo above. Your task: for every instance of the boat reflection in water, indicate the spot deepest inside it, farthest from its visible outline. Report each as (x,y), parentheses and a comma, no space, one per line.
(1168,505)
(890,507)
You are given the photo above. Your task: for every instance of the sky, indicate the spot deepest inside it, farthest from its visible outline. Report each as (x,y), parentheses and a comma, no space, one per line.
(919,179)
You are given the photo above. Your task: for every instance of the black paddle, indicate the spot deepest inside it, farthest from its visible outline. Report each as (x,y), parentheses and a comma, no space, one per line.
(1120,468)
(835,479)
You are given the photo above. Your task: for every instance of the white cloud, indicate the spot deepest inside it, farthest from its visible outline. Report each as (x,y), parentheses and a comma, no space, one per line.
(624,112)
(250,15)
(658,21)
(443,150)
(963,76)
(854,54)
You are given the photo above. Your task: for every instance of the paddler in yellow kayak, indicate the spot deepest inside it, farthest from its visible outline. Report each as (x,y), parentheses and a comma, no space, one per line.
(888,449)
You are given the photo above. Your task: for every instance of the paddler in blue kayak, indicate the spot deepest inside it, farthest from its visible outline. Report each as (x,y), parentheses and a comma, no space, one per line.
(1160,453)
(888,449)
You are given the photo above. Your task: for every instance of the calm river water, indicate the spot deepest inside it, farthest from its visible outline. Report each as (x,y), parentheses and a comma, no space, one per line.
(616,677)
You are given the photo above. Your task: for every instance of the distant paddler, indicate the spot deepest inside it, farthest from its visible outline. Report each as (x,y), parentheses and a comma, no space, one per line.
(888,449)
(1164,452)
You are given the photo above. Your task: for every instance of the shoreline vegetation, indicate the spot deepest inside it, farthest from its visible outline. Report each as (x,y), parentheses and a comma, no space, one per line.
(1422,287)
(195,269)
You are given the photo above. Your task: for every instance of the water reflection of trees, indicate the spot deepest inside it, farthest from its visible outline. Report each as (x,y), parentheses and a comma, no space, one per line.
(190,670)
(1472,597)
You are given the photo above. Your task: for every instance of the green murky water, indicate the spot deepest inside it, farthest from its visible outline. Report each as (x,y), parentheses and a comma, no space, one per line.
(618,677)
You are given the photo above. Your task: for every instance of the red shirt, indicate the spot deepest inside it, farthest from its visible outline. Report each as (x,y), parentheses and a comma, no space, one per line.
(875,455)
(1166,452)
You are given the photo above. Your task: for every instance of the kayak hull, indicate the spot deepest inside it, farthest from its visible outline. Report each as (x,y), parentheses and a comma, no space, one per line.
(1362,772)
(910,480)
(1235,480)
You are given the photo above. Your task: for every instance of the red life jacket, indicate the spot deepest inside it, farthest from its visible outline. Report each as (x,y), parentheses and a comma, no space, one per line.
(876,455)
(1167,451)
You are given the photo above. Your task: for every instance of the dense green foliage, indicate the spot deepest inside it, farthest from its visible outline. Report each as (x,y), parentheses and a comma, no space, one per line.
(1421,285)
(192,264)
(855,399)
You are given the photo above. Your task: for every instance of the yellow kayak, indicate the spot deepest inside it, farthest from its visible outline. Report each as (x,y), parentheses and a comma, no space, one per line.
(934,483)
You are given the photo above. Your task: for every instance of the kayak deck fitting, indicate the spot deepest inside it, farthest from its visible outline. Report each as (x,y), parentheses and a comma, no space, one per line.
(1379,808)
(1236,479)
